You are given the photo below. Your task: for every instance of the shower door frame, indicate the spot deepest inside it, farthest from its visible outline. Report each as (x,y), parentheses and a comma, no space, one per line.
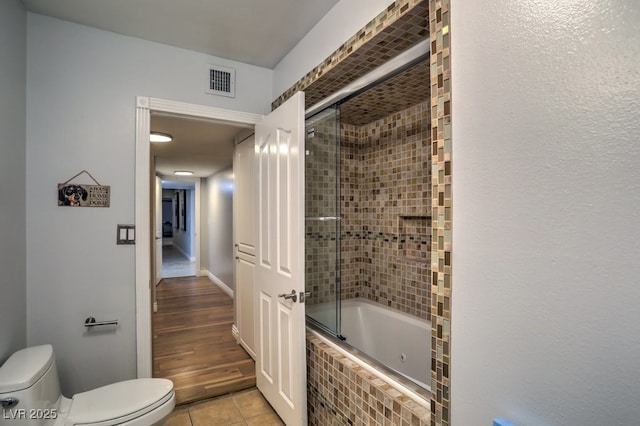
(338,219)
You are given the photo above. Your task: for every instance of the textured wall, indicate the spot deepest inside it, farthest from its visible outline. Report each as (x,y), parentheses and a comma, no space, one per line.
(546,159)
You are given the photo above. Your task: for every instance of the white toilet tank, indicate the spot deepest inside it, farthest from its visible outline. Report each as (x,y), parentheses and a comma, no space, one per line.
(30,377)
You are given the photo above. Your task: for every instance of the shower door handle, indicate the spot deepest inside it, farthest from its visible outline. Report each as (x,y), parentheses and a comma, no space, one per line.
(292,296)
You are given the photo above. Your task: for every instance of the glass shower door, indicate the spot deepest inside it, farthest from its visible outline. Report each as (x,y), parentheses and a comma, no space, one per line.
(322,219)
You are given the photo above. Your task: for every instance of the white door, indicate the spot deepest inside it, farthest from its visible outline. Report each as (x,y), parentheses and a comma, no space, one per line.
(280,321)
(244,211)
(245,306)
(158,232)
(243,196)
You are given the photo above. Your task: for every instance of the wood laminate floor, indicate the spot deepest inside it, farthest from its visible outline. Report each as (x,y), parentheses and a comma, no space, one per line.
(192,341)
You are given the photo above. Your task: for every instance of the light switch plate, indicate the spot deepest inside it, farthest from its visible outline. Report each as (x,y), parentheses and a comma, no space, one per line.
(126,235)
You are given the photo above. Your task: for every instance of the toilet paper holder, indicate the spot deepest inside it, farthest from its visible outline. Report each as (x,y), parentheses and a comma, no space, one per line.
(91,322)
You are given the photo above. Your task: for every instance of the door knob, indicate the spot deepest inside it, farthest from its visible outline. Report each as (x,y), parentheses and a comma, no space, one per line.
(304,295)
(293,296)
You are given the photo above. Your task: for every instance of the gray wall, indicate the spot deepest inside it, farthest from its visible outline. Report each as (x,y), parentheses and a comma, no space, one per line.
(220,226)
(13,51)
(546,212)
(81,89)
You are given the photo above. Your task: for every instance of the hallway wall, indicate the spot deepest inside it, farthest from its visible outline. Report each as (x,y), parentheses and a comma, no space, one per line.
(13,51)
(82,85)
(220,226)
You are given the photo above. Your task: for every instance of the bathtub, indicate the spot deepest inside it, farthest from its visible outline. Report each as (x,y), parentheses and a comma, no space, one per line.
(398,341)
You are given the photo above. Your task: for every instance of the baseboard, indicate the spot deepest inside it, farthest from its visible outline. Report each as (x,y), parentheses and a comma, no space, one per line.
(220,284)
(202,273)
(250,351)
(235,332)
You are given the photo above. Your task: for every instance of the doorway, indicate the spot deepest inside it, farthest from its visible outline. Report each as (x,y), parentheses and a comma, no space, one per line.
(144,172)
(179,254)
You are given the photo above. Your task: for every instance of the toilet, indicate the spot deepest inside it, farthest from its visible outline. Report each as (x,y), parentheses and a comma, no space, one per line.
(30,396)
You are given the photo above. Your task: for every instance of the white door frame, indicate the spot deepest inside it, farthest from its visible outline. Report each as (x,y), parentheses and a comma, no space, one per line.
(144,174)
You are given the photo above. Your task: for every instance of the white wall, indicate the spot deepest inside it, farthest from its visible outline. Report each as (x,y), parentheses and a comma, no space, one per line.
(546,212)
(344,20)
(81,89)
(220,226)
(13,51)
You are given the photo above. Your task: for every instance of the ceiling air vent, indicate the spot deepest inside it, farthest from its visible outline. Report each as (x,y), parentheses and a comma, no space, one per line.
(221,81)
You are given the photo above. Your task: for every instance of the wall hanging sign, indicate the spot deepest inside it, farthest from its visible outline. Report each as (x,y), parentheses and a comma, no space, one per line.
(82,195)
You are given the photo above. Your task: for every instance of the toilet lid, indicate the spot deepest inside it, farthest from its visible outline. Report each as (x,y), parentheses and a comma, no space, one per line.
(25,367)
(119,402)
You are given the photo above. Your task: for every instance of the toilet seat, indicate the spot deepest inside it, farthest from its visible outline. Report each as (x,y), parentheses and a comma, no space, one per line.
(120,402)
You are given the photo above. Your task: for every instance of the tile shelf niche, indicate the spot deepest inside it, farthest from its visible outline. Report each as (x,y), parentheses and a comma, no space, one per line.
(415,237)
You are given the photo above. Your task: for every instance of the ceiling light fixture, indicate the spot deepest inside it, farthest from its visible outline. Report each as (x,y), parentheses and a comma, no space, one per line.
(183,173)
(160,137)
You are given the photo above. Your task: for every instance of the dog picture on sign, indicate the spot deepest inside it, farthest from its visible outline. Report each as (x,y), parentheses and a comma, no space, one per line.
(71,195)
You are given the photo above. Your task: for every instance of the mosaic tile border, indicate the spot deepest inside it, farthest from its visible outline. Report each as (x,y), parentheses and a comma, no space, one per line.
(439,29)
(378,35)
(401,238)
(343,393)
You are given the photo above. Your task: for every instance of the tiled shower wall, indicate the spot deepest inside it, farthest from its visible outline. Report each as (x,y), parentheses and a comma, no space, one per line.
(386,198)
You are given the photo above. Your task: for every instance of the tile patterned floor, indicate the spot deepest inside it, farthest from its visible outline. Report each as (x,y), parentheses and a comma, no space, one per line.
(245,408)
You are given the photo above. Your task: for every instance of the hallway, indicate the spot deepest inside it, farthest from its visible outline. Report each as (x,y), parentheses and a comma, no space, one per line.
(175,264)
(192,341)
